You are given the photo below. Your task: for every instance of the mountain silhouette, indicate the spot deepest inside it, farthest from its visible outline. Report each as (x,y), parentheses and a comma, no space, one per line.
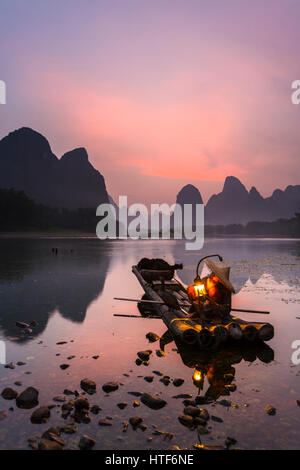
(27,163)
(235,205)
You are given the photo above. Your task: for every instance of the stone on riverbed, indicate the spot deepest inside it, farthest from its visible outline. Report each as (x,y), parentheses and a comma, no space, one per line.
(68,428)
(64,366)
(88,386)
(191,411)
(50,432)
(9,393)
(152,337)
(152,402)
(135,421)
(86,443)
(81,404)
(186,420)
(59,398)
(46,444)
(178,382)
(149,378)
(110,387)
(22,324)
(144,355)
(104,422)
(270,410)
(28,398)
(41,415)
(122,405)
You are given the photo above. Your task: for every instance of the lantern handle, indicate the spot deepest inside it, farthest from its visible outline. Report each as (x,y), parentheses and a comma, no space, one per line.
(202,259)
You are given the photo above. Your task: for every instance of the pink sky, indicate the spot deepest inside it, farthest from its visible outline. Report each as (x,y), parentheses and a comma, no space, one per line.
(161,94)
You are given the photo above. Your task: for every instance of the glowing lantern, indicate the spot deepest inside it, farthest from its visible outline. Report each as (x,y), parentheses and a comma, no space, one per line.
(197,290)
(197,376)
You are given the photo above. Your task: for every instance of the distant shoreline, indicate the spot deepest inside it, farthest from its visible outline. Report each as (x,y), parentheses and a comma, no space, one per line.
(61,234)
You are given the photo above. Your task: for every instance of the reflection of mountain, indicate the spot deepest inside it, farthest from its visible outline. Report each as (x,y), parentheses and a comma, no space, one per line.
(248,258)
(34,281)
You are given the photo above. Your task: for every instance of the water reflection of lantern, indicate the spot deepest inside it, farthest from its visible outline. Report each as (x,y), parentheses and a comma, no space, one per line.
(198,379)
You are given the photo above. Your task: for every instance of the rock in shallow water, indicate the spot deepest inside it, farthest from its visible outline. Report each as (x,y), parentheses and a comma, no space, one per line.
(110,387)
(152,337)
(28,398)
(9,394)
(178,382)
(152,402)
(86,443)
(144,355)
(88,386)
(270,410)
(135,421)
(46,444)
(41,415)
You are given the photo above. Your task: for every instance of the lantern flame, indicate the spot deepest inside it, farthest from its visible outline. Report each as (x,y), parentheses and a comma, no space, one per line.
(197,376)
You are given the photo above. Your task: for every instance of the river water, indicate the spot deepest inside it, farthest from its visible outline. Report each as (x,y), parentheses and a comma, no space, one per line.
(70,295)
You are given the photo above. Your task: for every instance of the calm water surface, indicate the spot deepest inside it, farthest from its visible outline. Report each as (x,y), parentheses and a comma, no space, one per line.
(70,295)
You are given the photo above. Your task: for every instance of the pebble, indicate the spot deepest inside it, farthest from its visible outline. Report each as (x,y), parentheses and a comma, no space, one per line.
(41,415)
(152,337)
(9,394)
(149,378)
(270,410)
(104,422)
(152,402)
(158,372)
(135,421)
(64,366)
(46,444)
(110,387)
(136,404)
(88,386)
(186,420)
(160,353)
(68,428)
(28,398)
(95,409)
(178,382)
(59,398)
(81,403)
(216,419)
(144,355)
(86,442)
(122,405)
(165,380)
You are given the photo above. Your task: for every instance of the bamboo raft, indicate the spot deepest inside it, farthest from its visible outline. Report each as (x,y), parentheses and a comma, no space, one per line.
(208,336)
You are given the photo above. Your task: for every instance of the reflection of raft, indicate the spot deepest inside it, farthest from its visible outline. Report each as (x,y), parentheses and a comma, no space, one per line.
(161,286)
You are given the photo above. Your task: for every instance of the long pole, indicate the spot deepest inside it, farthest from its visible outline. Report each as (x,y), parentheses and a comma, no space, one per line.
(249,311)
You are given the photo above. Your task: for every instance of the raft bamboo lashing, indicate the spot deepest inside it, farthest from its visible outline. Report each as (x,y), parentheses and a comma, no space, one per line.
(168,296)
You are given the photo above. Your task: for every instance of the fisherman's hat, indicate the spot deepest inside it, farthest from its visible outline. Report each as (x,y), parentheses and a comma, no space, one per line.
(222,273)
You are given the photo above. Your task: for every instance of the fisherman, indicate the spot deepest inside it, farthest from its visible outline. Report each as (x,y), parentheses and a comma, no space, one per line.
(211,296)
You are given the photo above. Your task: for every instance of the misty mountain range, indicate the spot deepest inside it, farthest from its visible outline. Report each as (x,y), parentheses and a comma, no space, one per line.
(27,163)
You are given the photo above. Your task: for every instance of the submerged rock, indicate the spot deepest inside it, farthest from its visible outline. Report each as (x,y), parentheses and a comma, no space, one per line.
(64,366)
(160,353)
(270,410)
(95,409)
(46,444)
(9,393)
(49,432)
(86,443)
(22,324)
(110,387)
(191,411)
(144,355)
(81,403)
(28,398)
(88,386)
(122,405)
(104,422)
(3,415)
(149,378)
(178,382)
(186,420)
(41,415)
(155,403)
(135,421)
(68,428)
(152,337)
